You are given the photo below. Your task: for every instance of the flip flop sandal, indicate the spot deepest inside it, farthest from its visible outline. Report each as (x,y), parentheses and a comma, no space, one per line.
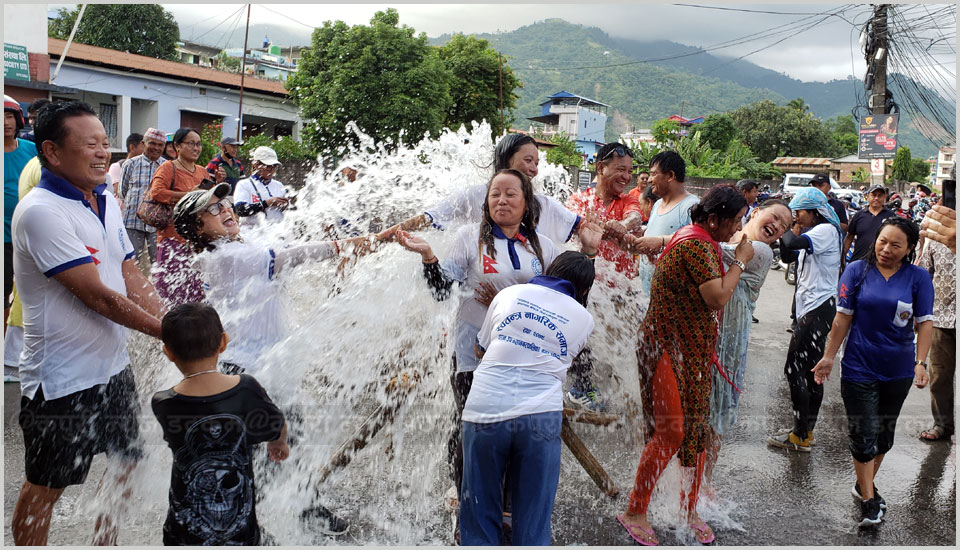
(938,433)
(701,530)
(629,527)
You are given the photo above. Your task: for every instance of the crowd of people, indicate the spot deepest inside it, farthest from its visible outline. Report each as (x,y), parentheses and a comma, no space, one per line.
(169,246)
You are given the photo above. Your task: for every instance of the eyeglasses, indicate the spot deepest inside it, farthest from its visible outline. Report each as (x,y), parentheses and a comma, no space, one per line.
(215,208)
(620,150)
(192,143)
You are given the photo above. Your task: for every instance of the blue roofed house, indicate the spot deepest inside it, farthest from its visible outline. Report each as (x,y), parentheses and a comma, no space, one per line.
(582,119)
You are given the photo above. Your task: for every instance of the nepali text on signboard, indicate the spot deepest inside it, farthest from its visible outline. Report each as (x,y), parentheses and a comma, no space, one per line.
(878,136)
(16,64)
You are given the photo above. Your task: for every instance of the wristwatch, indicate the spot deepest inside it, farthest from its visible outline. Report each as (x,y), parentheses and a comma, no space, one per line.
(921,363)
(740,264)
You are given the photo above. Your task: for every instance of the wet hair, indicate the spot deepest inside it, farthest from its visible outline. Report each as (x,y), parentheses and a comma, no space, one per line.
(181,135)
(507,147)
(745,186)
(723,201)
(37,105)
(133,140)
(191,331)
(528,223)
(578,269)
(769,203)
(909,228)
(51,120)
(188,227)
(649,195)
(670,161)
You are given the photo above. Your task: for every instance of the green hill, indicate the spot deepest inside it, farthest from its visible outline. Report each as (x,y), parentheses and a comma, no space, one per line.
(554,55)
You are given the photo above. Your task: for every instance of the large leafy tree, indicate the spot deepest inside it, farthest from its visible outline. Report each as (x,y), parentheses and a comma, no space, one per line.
(381,76)
(771,130)
(718,130)
(476,84)
(145,29)
(902,164)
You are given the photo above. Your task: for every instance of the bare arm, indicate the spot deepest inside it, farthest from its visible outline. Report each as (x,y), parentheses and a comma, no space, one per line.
(140,290)
(847,241)
(838,332)
(717,292)
(924,339)
(84,282)
(415,223)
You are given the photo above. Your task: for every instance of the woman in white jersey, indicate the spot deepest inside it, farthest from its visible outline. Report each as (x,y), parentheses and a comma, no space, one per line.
(261,196)
(504,249)
(816,238)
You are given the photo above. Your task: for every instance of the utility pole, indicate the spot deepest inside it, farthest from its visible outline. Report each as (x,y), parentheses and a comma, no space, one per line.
(681,108)
(73,31)
(878,94)
(503,127)
(243,72)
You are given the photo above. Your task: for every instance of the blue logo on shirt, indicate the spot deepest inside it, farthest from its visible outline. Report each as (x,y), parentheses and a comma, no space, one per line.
(536,266)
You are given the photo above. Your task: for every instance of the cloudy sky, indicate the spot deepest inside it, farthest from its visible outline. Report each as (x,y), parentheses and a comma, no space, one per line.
(809,50)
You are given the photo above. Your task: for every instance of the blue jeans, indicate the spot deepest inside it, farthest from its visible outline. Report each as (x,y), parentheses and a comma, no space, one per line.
(530,446)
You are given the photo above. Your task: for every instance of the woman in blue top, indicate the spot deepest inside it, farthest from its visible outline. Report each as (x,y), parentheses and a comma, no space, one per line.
(879,297)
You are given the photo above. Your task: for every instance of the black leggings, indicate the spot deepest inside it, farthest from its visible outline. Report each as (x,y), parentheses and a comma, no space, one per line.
(461,383)
(872,412)
(806,349)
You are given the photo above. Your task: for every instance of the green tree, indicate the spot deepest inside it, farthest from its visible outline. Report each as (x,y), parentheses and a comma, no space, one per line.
(771,130)
(475,88)
(843,130)
(666,131)
(383,77)
(144,29)
(718,130)
(920,170)
(566,152)
(902,165)
(226,63)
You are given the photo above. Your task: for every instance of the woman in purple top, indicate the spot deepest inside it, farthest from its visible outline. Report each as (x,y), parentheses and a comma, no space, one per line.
(882,300)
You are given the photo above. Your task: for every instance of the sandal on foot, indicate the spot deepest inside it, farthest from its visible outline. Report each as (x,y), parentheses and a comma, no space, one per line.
(936,433)
(646,538)
(703,531)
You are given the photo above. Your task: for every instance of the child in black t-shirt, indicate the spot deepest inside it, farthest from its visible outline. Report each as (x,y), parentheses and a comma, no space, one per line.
(211,422)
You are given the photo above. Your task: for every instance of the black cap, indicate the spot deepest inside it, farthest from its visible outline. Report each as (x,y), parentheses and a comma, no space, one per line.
(820,179)
(230,141)
(876,187)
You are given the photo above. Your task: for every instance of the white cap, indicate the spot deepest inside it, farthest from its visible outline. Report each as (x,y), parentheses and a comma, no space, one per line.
(265,155)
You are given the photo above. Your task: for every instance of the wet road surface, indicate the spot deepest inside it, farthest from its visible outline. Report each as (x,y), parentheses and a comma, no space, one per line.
(768,496)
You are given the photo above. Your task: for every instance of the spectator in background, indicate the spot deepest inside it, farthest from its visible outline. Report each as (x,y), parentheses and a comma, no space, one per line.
(135,179)
(822,182)
(863,226)
(643,181)
(941,262)
(750,190)
(227,163)
(27,133)
(169,150)
(17,153)
(260,193)
(135,147)
(647,199)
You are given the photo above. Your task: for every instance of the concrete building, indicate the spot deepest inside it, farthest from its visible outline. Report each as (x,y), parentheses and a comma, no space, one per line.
(195,53)
(26,68)
(842,168)
(582,119)
(132,92)
(641,135)
(946,158)
(266,62)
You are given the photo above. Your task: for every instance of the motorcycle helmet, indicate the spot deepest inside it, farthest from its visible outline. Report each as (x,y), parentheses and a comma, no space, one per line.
(10,104)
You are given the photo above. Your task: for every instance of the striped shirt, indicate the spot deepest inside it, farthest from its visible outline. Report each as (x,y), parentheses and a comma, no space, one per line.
(135,180)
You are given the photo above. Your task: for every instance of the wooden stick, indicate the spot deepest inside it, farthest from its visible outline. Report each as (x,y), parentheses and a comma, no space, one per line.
(586,459)
(590,417)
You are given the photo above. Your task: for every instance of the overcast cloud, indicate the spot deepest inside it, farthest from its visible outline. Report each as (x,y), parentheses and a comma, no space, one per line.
(821,53)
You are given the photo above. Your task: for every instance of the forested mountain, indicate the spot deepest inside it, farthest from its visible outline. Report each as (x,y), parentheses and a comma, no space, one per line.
(554,55)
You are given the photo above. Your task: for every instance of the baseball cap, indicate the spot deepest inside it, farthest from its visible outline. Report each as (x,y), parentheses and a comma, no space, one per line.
(192,204)
(230,141)
(265,155)
(876,187)
(153,133)
(820,179)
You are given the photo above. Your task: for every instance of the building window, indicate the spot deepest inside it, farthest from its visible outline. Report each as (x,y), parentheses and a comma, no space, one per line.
(108,116)
(947,158)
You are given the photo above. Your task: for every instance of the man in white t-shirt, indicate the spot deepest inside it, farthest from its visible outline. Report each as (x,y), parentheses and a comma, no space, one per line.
(81,289)
(260,196)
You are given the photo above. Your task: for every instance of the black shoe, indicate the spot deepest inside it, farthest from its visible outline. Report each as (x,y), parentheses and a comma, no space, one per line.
(871,512)
(876,495)
(755,320)
(789,329)
(326,522)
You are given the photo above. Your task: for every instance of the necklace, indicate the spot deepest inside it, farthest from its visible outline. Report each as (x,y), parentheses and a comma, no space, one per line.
(199,373)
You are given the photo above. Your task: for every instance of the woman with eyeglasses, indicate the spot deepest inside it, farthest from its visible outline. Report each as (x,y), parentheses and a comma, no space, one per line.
(241,280)
(175,282)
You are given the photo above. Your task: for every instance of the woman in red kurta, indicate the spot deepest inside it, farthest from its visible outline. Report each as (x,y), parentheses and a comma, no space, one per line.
(676,351)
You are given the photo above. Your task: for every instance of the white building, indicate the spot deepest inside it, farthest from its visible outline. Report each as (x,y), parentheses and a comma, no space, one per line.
(946,158)
(581,119)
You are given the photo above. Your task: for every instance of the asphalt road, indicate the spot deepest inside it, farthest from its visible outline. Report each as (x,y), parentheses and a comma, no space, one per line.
(768,496)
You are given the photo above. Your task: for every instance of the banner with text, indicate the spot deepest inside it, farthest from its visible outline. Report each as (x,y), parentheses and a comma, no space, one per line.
(878,136)
(16,64)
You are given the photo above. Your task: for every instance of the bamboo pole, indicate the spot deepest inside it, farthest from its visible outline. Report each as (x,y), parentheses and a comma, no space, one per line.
(587,460)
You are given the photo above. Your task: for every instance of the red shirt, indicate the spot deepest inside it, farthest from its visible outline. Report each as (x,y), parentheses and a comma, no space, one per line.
(586,201)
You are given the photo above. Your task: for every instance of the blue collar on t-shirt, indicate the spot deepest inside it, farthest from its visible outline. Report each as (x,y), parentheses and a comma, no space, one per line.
(63,188)
(522,237)
(553,283)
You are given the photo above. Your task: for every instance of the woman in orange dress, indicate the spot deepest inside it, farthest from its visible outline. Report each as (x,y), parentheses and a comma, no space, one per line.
(676,351)
(176,282)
